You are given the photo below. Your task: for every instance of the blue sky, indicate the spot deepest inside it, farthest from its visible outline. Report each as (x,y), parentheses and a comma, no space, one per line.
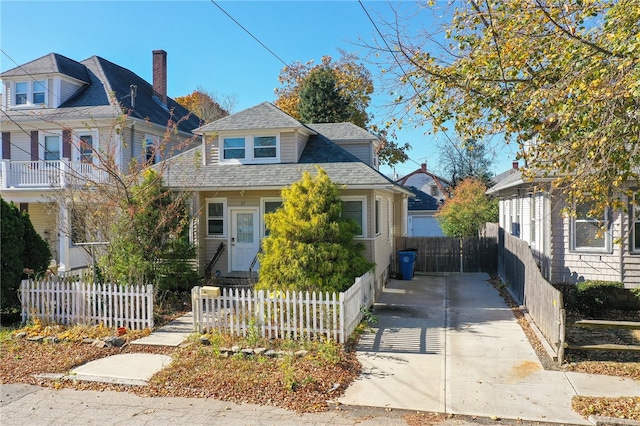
(205,48)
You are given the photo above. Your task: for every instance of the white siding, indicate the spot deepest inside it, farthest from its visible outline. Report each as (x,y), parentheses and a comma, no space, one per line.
(67,89)
(20,146)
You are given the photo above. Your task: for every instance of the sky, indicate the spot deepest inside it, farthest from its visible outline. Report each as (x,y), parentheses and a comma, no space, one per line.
(207,49)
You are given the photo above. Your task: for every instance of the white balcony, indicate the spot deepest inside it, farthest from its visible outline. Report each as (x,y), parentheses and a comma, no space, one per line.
(48,174)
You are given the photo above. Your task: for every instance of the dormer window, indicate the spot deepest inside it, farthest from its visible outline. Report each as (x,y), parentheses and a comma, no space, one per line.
(39,90)
(30,93)
(234,148)
(250,149)
(21,93)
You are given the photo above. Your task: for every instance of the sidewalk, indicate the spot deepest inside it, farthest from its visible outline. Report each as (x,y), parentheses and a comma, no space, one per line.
(450,344)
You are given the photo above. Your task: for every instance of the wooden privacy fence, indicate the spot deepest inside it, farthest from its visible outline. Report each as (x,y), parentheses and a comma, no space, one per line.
(518,267)
(64,302)
(451,254)
(297,315)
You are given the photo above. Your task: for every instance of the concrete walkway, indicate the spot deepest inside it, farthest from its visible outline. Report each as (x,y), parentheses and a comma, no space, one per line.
(134,368)
(450,344)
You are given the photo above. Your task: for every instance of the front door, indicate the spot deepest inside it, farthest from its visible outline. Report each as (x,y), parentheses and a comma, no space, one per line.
(244,238)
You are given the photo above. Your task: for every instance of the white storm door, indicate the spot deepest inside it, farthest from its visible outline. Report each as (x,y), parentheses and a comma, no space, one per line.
(244,238)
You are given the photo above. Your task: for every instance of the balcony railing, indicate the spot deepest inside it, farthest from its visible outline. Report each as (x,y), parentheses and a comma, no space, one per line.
(48,174)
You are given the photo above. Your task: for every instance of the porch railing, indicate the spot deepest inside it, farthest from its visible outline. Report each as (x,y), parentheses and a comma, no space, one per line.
(48,174)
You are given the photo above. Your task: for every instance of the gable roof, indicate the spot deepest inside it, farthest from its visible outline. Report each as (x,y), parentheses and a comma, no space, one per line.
(106,93)
(262,116)
(53,63)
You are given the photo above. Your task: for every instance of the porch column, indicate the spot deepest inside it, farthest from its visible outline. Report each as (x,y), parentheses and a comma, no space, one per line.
(64,258)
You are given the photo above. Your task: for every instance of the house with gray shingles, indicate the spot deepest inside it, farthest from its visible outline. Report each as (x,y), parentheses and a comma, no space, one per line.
(430,191)
(247,158)
(60,117)
(570,248)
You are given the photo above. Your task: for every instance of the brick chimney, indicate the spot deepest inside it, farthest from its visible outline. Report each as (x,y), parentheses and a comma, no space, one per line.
(160,75)
(423,166)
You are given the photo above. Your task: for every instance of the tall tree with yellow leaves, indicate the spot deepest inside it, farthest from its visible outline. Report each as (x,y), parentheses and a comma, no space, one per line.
(561,79)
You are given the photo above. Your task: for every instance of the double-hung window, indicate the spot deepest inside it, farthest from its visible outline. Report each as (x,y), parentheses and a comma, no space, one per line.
(22,92)
(264,147)
(250,149)
(86,149)
(234,148)
(52,148)
(354,208)
(216,217)
(39,91)
(588,233)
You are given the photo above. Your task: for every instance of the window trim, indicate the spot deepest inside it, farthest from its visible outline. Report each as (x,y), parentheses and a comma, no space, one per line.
(78,135)
(42,135)
(225,215)
(263,211)
(363,200)
(249,148)
(606,248)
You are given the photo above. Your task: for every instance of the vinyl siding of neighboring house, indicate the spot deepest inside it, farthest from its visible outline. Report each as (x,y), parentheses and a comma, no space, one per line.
(550,238)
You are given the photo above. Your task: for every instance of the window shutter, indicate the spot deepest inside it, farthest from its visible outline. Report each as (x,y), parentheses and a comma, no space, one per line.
(34,146)
(66,144)
(6,145)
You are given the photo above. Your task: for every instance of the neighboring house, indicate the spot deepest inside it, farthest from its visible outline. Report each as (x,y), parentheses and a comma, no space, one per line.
(247,158)
(59,116)
(570,248)
(430,192)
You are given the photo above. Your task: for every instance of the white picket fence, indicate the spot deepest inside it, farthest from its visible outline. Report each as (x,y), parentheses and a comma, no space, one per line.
(296,315)
(70,303)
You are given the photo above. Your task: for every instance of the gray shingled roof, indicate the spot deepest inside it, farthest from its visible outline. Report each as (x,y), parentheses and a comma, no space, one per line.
(262,116)
(185,171)
(52,63)
(105,80)
(421,201)
(509,179)
(342,131)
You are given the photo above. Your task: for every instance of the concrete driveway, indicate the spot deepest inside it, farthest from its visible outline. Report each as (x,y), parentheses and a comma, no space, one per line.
(450,344)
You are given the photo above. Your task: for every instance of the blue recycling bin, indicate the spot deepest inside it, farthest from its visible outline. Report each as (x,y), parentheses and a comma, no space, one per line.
(406,262)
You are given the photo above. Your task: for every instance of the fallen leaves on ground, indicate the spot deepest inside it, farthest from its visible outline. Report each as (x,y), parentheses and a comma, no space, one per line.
(299,383)
(622,408)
